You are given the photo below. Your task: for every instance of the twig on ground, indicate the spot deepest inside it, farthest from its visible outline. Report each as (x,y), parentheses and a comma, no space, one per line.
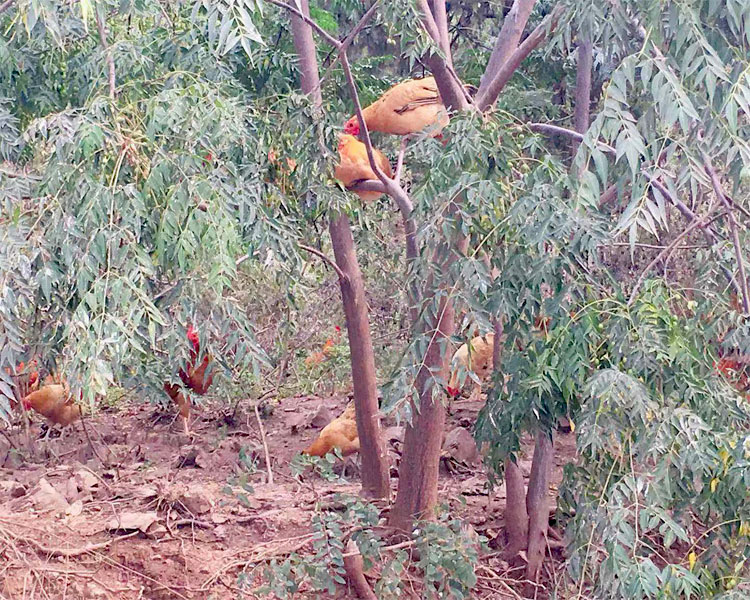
(91,444)
(265,443)
(67,552)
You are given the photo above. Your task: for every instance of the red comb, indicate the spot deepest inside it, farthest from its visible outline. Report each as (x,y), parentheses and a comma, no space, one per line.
(454,392)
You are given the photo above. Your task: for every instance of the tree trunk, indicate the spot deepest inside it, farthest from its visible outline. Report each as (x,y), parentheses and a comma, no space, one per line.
(507,40)
(516,517)
(420,461)
(537,503)
(375,473)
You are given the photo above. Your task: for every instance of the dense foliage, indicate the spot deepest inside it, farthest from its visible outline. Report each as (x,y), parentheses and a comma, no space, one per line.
(125,211)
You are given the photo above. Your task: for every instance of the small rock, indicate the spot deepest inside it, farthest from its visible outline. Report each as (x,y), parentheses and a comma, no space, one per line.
(75,509)
(394,434)
(71,490)
(297,421)
(197,501)
(460,446)
(85,480)
(94,591)
(48,498)
(12,488)
(191,456)
(145,492)
(322,416)
(132,521)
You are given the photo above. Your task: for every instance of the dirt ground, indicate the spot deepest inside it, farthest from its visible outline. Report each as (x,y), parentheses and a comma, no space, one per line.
(168,517)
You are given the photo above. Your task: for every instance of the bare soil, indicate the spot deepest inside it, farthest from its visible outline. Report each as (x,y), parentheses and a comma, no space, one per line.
(167,517)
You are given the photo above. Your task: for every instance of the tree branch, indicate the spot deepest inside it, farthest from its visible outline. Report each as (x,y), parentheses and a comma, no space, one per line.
(492,90)
(331,262)
(708,231)
(317,28)
(354,567)
(451,91)
(100,26)
(609,195)
(6,5)
(719,191)
(680,205)
(350,38)
(441,21)
(428,21)
(393,189)
(507,40)
(557,130)
(400,162)
(665,253)
(390,187)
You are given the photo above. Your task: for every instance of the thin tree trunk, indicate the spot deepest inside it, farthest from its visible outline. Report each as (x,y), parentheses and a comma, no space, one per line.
(537,499)
(420,461)
(516,516)
(375,473)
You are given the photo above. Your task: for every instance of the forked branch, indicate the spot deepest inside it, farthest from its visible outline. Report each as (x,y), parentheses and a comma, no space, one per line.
(487,98)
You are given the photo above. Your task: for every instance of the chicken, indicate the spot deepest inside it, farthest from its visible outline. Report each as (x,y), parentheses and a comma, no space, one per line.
(354,166)
(25,378)
(479,361)
(194,378)
(340,433)
(736,369)
(407,108)
(53,402)
(324,353)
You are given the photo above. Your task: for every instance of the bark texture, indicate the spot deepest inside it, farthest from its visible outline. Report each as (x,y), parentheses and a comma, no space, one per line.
(516,517)
(420,461)
(507,40)
(375,475)
(537,504)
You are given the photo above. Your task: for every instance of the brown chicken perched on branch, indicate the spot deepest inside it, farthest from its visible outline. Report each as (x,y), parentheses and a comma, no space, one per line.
(194,378)
(479,361)
(354,166)
(55,403)
(340,433)
(407,108)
